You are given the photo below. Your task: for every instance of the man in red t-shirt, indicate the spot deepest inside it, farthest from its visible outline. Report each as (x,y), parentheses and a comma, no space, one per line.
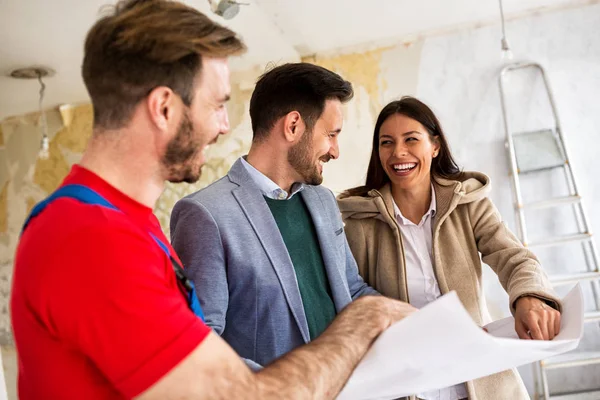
(100,307)
(96,305)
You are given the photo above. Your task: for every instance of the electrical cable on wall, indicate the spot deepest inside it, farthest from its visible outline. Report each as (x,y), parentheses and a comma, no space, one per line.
(506,51)
(44,153)
(38,73)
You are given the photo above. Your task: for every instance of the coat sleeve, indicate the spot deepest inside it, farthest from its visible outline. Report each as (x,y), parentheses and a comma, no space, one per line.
(196,239)
(357,242)
(518,269)
(357,286)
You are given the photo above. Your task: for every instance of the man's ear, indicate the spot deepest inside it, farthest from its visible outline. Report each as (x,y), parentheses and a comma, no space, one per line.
(162,104)
(293,126)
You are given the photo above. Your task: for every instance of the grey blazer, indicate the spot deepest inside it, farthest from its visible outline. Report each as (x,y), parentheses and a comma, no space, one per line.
(231,248)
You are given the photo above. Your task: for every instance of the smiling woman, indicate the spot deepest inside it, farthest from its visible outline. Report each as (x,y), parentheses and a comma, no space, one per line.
(419,227)
(421,124)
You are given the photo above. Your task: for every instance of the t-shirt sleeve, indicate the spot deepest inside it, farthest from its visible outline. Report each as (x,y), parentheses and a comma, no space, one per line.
(116,300)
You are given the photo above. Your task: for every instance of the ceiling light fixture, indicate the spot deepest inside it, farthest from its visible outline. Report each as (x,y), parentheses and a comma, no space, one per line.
(226,8)
(38,73)
(506,51)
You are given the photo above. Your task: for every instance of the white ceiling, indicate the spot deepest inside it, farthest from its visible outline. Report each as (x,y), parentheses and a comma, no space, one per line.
(42,32)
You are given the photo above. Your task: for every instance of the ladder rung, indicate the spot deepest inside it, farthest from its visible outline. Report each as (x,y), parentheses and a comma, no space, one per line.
(592,395)
(536,132)
(551,203)
(576,237)
(592,316)
(558,280)
(574,359)
(546,168)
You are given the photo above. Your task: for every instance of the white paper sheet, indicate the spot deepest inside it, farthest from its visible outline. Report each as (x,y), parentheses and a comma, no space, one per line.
(440,346)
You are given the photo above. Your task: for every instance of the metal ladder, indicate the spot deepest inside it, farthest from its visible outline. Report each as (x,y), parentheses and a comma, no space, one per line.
(551,153)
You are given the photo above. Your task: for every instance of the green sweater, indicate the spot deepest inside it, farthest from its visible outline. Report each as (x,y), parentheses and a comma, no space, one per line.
(295,224)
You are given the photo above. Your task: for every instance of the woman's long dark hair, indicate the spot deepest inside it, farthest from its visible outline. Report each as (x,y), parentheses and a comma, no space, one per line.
(442,166)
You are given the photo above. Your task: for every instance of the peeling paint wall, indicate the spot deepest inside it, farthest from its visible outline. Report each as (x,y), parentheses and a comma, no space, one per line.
(4,209)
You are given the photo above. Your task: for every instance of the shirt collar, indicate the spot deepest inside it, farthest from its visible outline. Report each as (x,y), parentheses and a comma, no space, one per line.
(431,212)
(267,187)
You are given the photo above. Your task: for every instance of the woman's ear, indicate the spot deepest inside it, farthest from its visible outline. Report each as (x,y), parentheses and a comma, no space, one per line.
(436,146)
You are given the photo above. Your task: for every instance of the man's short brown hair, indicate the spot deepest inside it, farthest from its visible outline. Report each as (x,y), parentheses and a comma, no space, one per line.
(301,87)
(144,44)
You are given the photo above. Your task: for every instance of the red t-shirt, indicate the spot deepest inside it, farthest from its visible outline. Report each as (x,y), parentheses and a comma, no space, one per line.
(96,308)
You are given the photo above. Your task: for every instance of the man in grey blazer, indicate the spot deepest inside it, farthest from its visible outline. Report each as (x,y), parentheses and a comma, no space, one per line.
(265,245)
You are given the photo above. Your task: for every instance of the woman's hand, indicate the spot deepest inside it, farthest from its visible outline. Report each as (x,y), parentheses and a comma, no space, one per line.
(534,319)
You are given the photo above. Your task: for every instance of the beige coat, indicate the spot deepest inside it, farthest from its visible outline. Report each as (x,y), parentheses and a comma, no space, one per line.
(466,225)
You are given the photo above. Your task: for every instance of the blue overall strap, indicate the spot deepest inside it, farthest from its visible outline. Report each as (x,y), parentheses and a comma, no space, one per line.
(91,197)
(78,192)
(192,299)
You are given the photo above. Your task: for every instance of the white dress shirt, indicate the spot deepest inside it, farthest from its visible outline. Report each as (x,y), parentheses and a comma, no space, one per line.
(422,284)
(267,187)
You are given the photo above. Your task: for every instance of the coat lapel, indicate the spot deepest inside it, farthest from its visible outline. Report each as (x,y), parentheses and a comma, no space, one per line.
(445,199)
(326,235)
(385,203)
(261,219)
(446,202)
